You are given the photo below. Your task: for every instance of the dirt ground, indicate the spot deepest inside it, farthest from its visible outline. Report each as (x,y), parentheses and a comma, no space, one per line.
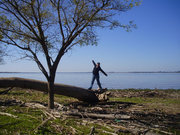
(135,118)
(141,112)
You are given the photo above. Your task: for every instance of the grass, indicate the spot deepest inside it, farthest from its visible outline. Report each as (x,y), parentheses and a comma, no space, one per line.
(28,119)
(32,96)
(27,122)
(141,100)
(166,102)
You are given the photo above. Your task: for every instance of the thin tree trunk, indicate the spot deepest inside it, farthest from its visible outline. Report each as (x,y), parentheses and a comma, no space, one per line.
(51,95)
(61,89)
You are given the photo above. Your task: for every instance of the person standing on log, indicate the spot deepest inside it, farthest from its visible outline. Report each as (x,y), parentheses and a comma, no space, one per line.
(95,72)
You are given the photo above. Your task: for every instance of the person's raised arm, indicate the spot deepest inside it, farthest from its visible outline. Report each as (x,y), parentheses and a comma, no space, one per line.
(103,72)
(93,62)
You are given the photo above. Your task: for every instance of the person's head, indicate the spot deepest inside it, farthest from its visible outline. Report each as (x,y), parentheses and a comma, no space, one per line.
(98,64)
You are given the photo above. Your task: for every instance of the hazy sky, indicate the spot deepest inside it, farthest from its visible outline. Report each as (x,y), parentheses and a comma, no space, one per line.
(153,46)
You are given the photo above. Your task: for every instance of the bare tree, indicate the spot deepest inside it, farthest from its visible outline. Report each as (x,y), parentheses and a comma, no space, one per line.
(52,27)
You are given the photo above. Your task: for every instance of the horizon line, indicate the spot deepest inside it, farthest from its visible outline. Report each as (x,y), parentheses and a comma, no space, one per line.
(91,72)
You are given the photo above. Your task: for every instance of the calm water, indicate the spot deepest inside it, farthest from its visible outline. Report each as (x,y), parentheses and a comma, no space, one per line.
(113,81)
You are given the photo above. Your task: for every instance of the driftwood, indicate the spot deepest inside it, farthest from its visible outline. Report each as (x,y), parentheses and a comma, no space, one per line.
(42,124)
(110,133)
(35,105)
(8,114)
(61,89)
(99,116)
(92,131)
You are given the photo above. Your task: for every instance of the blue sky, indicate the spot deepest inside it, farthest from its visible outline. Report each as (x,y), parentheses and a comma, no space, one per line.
(153,46)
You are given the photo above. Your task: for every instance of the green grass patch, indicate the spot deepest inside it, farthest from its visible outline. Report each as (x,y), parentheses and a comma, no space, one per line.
(142,100)
(28,119)
(32,96)
(25,122)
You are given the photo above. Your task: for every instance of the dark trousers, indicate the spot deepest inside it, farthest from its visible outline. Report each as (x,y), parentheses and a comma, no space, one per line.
(97,79)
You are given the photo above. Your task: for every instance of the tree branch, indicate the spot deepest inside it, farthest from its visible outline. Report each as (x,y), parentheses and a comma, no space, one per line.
(19,33)
(60,21)
(43,40)
(41,67)
(71,38)
(13,42)
(28,25)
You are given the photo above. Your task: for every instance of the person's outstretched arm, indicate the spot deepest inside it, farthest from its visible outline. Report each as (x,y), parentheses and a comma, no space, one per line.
(93,62)
(103,72)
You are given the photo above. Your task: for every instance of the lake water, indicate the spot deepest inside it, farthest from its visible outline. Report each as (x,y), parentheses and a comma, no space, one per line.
(113,81)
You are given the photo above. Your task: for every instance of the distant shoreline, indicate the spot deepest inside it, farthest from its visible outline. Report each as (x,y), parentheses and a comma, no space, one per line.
(107,72)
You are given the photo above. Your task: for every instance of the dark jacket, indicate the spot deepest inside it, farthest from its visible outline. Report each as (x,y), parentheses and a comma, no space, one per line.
(97,69)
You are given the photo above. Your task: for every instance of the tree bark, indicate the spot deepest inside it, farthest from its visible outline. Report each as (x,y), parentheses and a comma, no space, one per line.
(61,89)
(50,95)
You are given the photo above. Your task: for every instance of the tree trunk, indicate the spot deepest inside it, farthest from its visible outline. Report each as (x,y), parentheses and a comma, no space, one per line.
(61,89)
(50,95)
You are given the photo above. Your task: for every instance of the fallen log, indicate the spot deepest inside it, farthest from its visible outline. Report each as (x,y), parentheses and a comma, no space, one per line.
(61,89)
